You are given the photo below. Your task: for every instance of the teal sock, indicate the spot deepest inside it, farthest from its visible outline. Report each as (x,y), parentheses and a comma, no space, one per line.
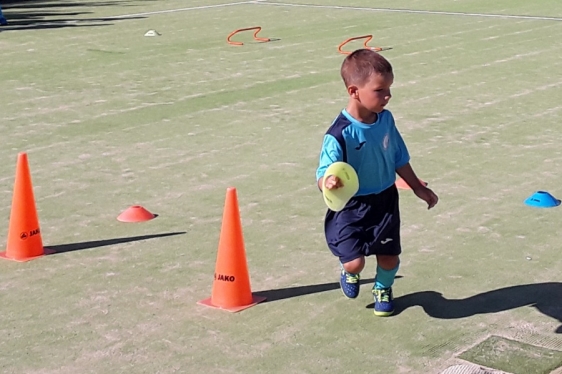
(385,278)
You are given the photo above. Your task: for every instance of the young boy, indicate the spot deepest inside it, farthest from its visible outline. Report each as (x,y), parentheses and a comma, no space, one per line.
(365,136)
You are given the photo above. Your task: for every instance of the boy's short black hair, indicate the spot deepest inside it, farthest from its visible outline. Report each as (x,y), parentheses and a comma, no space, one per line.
(361,64)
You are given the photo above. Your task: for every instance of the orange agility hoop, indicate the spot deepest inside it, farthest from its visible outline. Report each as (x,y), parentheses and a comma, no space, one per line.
(256,37)
(368,39)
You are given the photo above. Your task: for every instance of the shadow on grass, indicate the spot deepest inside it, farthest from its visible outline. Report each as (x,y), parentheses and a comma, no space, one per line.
(545,297)
(287,293)
(41,14)
(62,248)
(35,4)
(260,42)
(15,26)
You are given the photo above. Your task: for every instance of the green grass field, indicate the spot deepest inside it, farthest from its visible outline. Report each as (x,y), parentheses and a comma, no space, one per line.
(111,118)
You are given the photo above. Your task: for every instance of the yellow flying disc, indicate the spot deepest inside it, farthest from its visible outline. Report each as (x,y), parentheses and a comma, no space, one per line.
(336,198)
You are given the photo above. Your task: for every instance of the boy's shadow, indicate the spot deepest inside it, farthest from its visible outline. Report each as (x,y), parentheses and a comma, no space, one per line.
(289,292)
(545,297)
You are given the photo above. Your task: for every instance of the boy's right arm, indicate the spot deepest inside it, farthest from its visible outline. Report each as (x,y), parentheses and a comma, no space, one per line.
(331,152)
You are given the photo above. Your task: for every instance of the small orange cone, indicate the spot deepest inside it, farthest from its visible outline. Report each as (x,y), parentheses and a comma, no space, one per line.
(24,235)
(401,183)
(135,213)
(231,286)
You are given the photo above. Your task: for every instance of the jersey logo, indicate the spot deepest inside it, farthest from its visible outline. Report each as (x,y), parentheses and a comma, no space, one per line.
(360,145)
(385,142)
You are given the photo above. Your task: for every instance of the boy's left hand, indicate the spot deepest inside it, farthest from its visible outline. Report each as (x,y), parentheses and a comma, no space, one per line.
(427,195)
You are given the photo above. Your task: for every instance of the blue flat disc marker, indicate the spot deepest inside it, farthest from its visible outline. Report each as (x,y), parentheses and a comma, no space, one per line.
(542,199)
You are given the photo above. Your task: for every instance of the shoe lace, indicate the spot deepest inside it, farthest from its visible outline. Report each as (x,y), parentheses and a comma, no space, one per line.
(351,278)
(383,295)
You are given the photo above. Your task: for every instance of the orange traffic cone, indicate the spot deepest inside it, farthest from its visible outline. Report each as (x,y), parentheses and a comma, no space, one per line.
(231,286)
(24,235)
(401,183)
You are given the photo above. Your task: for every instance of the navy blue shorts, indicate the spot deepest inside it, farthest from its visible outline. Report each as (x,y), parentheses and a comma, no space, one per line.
(367,225)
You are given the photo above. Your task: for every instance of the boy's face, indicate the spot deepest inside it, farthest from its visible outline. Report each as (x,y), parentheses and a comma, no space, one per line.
(375,93)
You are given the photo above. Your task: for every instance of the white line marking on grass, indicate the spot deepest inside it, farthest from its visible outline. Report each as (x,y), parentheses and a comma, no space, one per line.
(411,11)
(184,9)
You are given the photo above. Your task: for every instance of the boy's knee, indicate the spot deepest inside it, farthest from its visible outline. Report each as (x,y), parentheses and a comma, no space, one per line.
(355,266)
(388,262)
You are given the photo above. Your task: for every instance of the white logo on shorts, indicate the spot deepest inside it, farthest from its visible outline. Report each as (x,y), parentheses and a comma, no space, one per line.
(386,240)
